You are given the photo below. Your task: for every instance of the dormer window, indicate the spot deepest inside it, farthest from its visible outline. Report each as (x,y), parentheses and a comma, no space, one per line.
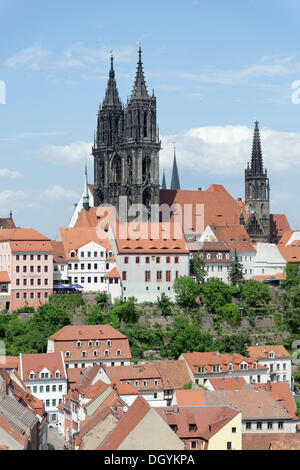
(144,383)
(95,353)
(83,354)
(216,369)
(32,375)
(72,254)
(57,374)
(78,344)
(108,342)
(208,256)
(155,382)
(136,383)
(219,256)
(90,343)
(254,366)
(230,366)
(106,352)
(271,355)
(201,369)
(67,354)
(243,366)
(192,427)
(119,352)
(97,343)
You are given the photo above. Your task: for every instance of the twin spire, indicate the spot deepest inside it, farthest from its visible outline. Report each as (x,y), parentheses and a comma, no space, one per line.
(175,184)
(139,91)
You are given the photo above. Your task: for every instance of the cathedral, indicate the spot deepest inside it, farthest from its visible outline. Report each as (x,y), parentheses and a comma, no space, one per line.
(126,163)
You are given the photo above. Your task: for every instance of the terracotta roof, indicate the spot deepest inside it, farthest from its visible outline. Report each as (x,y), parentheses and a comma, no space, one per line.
(147,237)
(87,332)
(235,236)
(278,224)
(74,238)
(59,255)
(281,393)
(22,234)
(87,218)
(210,359)
(6,223)
(262,278)
(37,362)
(220,207)
(4,277)
(113,273)
(252,403)
(88,424)
(174,374)
(128,422)
(228,383)
(190,397)
(125,389)
(279,441)
(262,352)
(9,362)
(208,420)
(140,373)
(31,245)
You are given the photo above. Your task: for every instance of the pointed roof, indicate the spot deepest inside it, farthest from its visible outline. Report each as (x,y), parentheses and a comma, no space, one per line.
(256,158)
(111,96)
(175,184)
(139,91)
(164,184)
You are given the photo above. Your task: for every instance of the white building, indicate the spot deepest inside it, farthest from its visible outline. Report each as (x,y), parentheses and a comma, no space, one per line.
(268,260)
(277,360)
(45,376)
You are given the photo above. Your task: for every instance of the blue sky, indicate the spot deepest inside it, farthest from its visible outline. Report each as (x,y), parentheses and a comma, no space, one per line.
(215,66)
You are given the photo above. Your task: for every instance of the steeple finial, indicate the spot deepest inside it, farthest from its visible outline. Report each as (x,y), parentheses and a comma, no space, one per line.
(112,96)
(256,158)
(139,91)
(163,184)
(86,198)
(175,184)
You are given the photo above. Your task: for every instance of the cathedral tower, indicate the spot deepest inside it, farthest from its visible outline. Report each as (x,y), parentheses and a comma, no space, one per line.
(257,194)
(126,148)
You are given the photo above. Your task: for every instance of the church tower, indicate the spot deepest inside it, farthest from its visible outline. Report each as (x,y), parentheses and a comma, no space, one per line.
(257,194)
(126,148)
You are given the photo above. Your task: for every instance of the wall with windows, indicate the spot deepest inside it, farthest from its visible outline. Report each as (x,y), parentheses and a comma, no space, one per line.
(147,276)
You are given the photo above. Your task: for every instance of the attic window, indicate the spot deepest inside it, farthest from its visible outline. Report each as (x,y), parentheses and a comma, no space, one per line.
(174,427)
(192,428)
(219,215)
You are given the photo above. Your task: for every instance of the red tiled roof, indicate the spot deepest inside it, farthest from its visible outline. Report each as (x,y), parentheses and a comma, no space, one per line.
(59,255)
(128,422)
(113,273)
(74,238)
(235,236)
(190,397)
(87,332)
(262,351)
(4,277)
(140,373)
(9,428)
(37,362)
(278,224)
(209,359)
(9,362)
(263,277)
(228,383)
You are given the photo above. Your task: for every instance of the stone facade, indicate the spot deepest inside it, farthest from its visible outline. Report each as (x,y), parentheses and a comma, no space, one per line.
(126,148)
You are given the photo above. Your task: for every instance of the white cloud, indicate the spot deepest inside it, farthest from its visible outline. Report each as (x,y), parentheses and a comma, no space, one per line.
(218,150)
(5,173)
(65,154)
(7,196)
(30,57)
(59,193)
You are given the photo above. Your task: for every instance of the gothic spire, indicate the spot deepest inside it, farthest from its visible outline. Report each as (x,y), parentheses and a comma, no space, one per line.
(164,185)
(256,158)
(175,184)
(139,91)
(111,96)
(86,198)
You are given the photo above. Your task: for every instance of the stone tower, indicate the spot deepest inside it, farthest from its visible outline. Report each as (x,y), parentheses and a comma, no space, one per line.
(257,194)
(126,147)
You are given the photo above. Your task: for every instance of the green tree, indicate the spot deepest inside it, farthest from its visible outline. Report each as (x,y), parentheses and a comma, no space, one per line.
(230,313)
(164,303)
(215,294)
(126,310)
(291,273)
(186,292)
(235,269)
(102,300)
(255,294)
(198,267)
